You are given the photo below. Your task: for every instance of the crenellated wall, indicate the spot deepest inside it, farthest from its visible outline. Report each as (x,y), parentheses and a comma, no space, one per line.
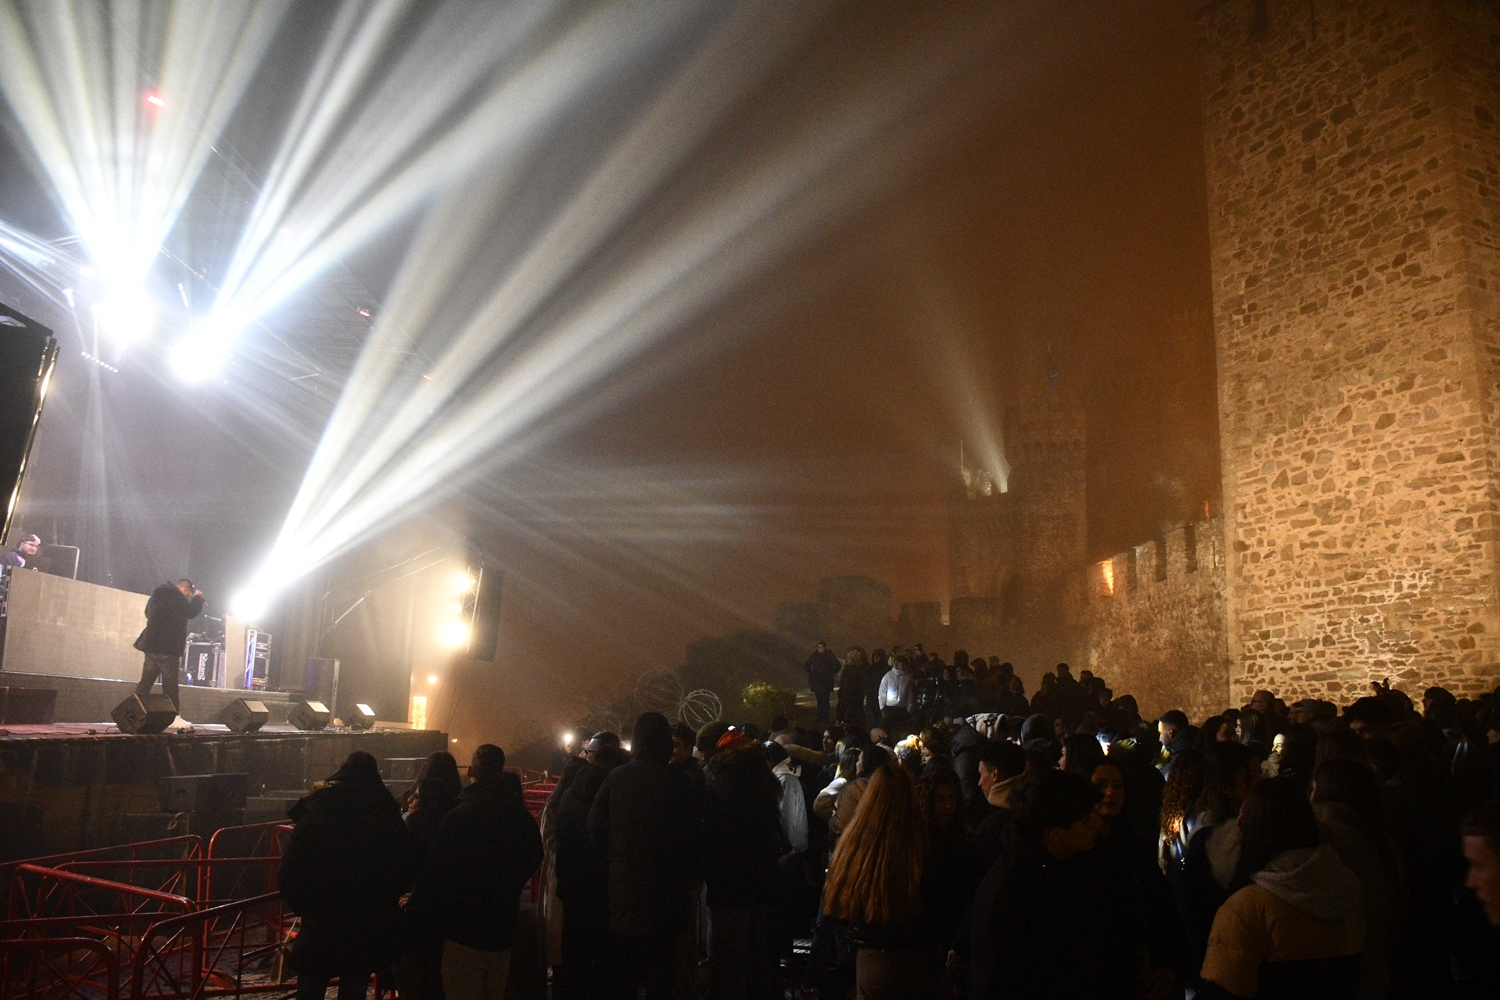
(1155,622)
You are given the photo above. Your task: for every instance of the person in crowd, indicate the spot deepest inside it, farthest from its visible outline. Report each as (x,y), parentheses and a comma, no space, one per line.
(1172,731)
(1231,770)
(343,871)
(1346,802)
(645,822)
(1001,766)
(1481,845)
(827,798)
(896,691)
(1081,754)
(168,610)
(1179,811)
(1038,932)
(1132,886)
(954,863)
(851,707)
(875,883)
(966,747)
(874,674)
(1294,923)
(822,671)
(583,882)
(742,844)
(1263,701)
(1014,701)
(429,799)
(487,849)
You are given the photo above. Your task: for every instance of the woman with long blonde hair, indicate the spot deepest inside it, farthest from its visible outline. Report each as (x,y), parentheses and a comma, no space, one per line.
(875,883)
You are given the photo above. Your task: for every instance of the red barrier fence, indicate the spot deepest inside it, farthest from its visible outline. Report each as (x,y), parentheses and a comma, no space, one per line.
(58,968)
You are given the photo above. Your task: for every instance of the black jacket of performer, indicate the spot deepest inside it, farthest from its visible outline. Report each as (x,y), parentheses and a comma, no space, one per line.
(344,869)
(167,615)
(743,835)
(487,849)
(645,821)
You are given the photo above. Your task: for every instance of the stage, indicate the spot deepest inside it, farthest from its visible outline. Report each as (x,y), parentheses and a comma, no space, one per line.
(69,786)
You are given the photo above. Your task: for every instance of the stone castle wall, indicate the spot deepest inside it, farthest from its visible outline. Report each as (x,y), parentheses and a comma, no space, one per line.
(1155,624)
(1353,165)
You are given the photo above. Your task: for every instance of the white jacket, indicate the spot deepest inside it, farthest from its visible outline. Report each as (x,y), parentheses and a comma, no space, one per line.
(793,805)
(896,689)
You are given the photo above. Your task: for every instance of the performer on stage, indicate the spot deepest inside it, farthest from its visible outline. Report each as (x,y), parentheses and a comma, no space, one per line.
(25,549)
(165,636)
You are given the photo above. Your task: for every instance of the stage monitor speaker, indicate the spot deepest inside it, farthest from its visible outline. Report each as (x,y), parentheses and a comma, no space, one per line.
(144,714)
(484,627)
(27,356)
(363,717)
(245,716)
(27,706)
(310,715)
(322,681)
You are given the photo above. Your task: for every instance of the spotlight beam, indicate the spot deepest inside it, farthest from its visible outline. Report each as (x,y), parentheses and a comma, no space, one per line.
(729,233)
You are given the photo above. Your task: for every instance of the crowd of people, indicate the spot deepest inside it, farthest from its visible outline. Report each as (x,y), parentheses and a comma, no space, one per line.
(943,836)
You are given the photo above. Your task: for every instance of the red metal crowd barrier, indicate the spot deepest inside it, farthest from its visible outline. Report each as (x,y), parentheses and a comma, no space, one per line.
(60,968)
(203,880)
(186,846)
(254,840)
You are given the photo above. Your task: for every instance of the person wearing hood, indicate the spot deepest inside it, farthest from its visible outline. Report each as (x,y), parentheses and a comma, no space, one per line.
(1001,766)
(583,881)
(1295,923)
(1346,802)
(646,823)
(967,745)
(343,871)
(1230,771)
(487,849)
(742,842)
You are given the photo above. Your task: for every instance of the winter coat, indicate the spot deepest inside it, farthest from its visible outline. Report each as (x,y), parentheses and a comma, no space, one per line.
(422,928)
(487,849)
(343,871)
(582,874)
(1297,929)
(989,836)
(742,829)
(852,682)
(1375,863)
(646,823)
(792,807)
(1039,933)
(896,689)
(167,615)
(822,669)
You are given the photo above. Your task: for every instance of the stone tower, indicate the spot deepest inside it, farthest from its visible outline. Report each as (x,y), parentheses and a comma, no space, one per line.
(1353,160)
(1015,555)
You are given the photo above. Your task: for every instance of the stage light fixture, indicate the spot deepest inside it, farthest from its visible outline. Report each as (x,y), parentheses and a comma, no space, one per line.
(455,634)
(463,582)
(251,604)
(155,100)
(432,678)
(196,359)
(125,316)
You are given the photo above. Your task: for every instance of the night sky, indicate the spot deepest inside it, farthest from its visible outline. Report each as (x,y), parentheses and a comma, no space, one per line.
(1058,228)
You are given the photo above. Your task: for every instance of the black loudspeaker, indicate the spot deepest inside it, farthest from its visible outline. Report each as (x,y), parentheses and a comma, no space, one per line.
(204,793)
(310,715)
(244,716)
(27,356)
(144,714)
(27,706)
(484,627)
(363,717)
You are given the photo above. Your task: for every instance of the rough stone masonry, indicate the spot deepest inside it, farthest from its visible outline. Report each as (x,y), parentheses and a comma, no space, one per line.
(1353,158)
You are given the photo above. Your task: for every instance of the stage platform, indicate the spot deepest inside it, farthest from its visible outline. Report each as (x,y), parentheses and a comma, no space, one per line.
(85,699)
(73,785)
